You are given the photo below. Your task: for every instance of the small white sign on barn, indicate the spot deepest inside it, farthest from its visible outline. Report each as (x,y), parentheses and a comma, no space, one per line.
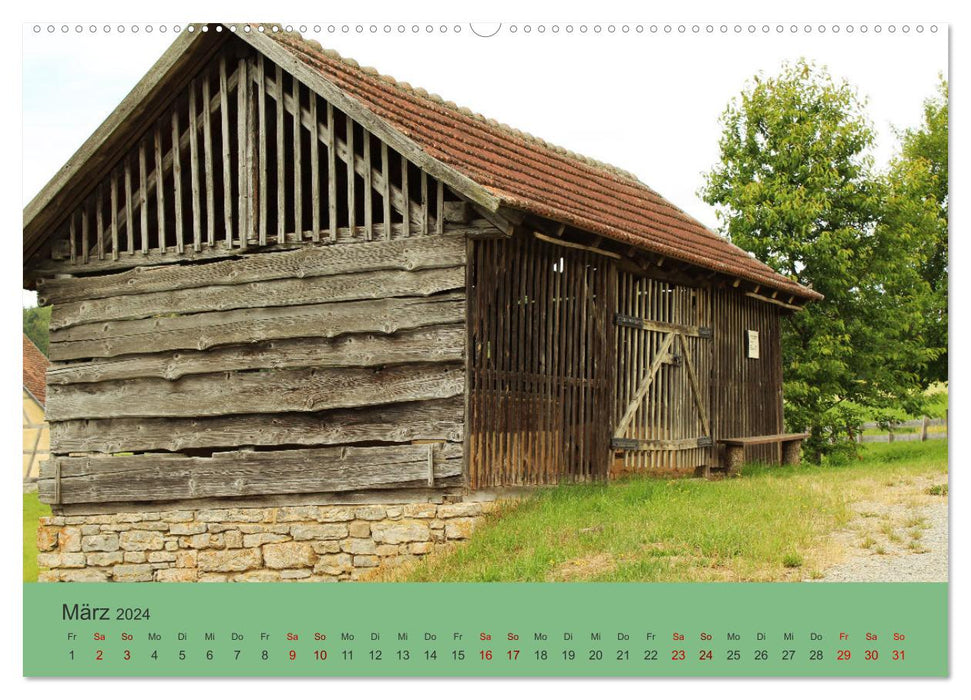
(752,344)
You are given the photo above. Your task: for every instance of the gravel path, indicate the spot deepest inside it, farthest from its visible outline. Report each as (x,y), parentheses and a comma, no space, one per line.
(901,538)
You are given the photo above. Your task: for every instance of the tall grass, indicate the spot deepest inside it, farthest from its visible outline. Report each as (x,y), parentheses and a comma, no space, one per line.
(773,523)
(33,511)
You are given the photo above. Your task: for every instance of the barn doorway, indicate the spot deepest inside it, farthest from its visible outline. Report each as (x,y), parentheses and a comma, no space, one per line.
(541,362)
(662,410)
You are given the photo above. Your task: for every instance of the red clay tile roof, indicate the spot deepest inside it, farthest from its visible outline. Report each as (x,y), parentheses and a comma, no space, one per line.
(528,174)
(35,370)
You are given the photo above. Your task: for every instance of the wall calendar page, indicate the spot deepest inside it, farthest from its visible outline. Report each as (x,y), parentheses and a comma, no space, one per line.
(464,349)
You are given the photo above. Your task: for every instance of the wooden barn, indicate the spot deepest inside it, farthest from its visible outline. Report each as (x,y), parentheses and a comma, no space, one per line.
(280,277)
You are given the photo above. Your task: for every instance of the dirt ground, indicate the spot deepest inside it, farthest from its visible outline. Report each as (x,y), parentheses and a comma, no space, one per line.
(902,535)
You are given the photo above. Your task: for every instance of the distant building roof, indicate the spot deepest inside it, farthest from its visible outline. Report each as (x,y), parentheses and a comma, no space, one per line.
(35,370)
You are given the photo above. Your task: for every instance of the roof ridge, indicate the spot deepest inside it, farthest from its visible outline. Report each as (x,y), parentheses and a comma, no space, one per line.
(438,99)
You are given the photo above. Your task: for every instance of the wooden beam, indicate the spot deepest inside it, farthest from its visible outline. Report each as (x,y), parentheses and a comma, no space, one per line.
(645,384)
(578,246)
(206,330)
(152,477)
(435,419)
(407,346)
(777,302)
(270,391)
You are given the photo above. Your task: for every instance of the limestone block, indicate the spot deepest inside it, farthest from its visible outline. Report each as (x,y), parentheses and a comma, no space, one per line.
(262,575)
(46,538)
(229,559)
(263,538)
(371,513)
(419,510)
(187,528)
(288,555)
(401,531)
(319,532)
(294,574)
(177,575)
(358,546)
(188,559)
(69,539)
(359,528)
(230,515)
(157,557)
(84,575)
(135,557)
(141,540)
(459,528)
(132,572)
(327,547)
(459,510)
(99,543)
(334,514)
(105,558)
(65,560)
(365,561)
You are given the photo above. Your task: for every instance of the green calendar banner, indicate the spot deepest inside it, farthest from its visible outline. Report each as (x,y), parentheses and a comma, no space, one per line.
(590,629)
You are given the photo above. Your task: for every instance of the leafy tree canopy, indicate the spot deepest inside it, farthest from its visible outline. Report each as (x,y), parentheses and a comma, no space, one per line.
(796,186)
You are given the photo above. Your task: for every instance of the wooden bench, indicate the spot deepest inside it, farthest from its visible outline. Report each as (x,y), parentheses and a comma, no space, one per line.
(735,448)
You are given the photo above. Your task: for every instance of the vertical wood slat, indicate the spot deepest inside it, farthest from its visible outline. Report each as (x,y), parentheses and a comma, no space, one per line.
(331,174)
(143,195)
(261,129)
(314,171)
(129,214)
(113,201)
(351,194)
(207,164)
(226,153)
(243,154)
(368,210)
(177,181)
(85,226)
(281,197)
(72,237)
(99,225)
(386,190)
(440,207)
(159,191)
(424,203)
(194,167)
(405,198)
(297,163)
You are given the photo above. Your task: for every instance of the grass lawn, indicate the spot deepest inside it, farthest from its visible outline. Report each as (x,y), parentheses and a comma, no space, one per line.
(33,511)
(771,524)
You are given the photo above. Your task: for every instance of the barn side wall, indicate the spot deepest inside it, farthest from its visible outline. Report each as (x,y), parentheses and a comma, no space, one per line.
(746,392)
(318,370)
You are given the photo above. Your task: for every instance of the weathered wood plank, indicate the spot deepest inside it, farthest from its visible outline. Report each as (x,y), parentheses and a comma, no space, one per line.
(207,164)
(297,163)
(143,196)
(438,343)
(194,169)
(314,175)
(113,201)
(283,292)
(269,391)
(331,174)
(207,330)
(159,190)
(243,155)
(227,474)
(439,419)
(129,213)
(176,182)
(227,183)
(304,262)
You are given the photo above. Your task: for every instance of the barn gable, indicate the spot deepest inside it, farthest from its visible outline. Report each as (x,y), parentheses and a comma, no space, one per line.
(240,153)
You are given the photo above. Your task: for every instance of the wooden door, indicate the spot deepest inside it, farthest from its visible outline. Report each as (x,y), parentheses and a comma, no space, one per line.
(662,415)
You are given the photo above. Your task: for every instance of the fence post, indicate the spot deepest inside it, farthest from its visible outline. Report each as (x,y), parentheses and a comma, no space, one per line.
(923,429)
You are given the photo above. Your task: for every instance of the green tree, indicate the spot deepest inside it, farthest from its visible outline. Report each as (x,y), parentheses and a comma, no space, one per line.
(37,321)
(795,186)
(918,202)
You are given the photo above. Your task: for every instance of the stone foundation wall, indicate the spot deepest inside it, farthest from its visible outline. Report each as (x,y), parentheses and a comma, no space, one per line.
(297,543)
